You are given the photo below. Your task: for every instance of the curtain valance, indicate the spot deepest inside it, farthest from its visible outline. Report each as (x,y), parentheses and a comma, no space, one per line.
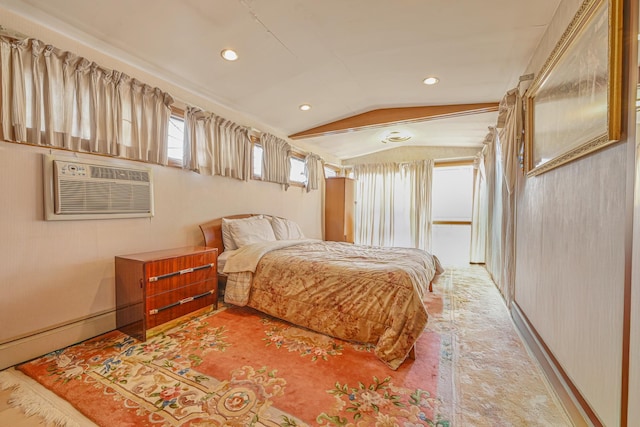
(55,98)
(276,159)
(216,146)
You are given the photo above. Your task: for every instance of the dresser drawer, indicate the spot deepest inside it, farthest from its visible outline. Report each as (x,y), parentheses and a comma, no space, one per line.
(178,278)
(159,269)
(171,305)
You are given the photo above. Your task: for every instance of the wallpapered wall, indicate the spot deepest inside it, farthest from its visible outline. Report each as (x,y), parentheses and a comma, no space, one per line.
(570,258)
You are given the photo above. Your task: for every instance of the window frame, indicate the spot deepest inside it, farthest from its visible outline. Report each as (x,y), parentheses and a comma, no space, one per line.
(454,163)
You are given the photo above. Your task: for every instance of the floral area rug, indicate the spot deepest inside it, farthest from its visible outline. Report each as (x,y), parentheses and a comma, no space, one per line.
(497,381)
(238,367)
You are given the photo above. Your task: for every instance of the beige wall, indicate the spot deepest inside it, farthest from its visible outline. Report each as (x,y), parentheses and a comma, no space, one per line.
(571,259)
(56,273)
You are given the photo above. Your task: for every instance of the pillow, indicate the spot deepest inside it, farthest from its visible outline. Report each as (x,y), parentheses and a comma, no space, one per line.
(248,232)
(227,240)
(285,229)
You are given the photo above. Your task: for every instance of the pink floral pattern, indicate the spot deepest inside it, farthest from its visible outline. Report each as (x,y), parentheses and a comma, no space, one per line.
(365,294)
(307,343)
(168,381)
(382,404)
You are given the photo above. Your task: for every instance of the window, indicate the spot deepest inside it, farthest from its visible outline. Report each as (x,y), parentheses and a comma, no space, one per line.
(452,193)
(330,171)
(257,161)
(452,211)
(176,140)
(296,173)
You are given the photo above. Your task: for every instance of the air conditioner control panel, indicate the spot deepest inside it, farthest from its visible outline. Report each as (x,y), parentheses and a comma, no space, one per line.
(73,169)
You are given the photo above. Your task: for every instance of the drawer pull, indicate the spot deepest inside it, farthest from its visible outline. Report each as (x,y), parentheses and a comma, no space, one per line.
(178,273)
(182,301)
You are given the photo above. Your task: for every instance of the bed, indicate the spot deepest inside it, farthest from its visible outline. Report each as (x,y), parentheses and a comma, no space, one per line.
(363,294)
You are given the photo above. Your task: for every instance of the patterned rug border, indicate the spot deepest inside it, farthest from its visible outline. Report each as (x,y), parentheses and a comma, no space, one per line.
(34,399)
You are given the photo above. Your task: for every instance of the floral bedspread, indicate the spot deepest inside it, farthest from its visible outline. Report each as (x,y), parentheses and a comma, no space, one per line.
(358,293)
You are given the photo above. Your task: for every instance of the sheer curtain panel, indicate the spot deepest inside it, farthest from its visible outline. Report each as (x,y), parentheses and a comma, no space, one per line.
(215,146)
(375,192)
(479,212)
(500,157)
(420,177)
(232,154)
(276,164)
(313,171)
(394,204)
(510,141)
(54,98)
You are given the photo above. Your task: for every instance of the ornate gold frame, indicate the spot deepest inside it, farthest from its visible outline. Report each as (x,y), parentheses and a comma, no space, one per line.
(572,107)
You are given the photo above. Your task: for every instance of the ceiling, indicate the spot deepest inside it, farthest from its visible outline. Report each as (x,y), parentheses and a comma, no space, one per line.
(343,57)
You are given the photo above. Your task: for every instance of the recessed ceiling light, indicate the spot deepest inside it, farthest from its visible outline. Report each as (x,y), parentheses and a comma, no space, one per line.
(397,136)
(431,80)
(229,54)
(305,107)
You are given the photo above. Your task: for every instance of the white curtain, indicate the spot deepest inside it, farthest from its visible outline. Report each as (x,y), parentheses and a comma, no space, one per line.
(375,193)
(313,171)
(198,141)
(55,98)
(510,141)
(276,163)
(216,146)
(420,176)
(394,204)
(501,167)
(511,136)
(479,212)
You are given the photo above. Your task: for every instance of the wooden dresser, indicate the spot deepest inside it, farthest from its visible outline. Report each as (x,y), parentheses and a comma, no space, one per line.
(155,288)
(339,211)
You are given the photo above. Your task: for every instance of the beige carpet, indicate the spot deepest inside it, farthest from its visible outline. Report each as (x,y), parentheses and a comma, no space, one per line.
(496,382)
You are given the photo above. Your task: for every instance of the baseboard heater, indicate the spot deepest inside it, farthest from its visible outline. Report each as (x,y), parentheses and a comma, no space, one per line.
(34,345)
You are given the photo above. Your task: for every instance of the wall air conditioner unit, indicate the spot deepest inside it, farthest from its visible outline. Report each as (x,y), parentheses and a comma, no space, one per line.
(77,188)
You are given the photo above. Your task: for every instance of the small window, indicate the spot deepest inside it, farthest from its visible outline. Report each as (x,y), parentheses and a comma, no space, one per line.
(257,161)
(176,140)
(296,173)
(330,172)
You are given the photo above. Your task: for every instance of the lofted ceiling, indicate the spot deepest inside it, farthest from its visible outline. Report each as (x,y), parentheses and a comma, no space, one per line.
(343,57)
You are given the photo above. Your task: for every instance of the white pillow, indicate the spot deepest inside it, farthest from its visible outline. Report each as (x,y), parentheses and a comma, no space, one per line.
(227,239)
(285,229)
(248,232)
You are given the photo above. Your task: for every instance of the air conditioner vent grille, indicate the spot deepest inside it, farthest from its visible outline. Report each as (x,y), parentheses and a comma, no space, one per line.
(83,190)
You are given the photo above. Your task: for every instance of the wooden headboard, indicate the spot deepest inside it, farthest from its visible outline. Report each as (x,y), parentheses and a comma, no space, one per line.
(212,231)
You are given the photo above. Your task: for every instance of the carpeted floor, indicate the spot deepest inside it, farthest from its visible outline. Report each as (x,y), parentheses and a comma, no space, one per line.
(472,370)
(497,381)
